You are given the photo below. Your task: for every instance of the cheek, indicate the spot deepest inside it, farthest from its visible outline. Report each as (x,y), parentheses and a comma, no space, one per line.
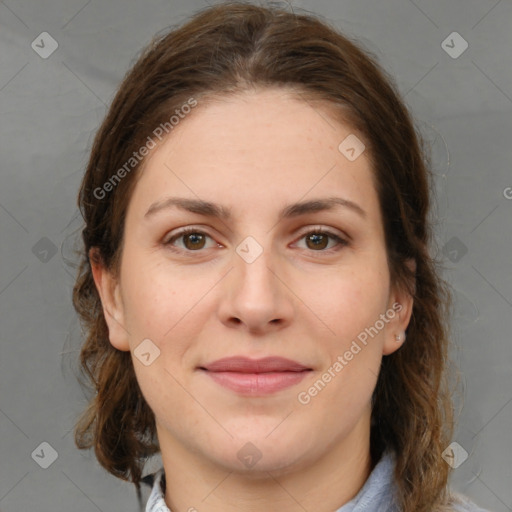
(351,300)
(151,310)
(166,308)
(154,298)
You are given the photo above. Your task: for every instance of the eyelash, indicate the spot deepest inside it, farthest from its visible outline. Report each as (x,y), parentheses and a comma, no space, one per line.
(341,242)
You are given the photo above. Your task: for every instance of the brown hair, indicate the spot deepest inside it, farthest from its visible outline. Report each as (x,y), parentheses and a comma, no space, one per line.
(227,49)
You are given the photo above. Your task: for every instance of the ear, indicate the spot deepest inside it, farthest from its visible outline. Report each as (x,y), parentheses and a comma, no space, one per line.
(401,303)
(109,290)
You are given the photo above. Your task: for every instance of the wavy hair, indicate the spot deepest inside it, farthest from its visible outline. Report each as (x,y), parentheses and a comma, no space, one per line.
(224,50)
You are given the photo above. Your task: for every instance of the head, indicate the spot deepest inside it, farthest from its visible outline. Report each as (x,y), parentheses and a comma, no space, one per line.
(263,119)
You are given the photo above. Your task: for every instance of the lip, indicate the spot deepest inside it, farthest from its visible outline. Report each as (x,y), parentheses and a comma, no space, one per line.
(256,377)
(242,364)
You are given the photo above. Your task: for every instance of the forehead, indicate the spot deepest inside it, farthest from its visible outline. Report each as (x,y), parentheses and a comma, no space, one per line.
(264,147)
(278,119)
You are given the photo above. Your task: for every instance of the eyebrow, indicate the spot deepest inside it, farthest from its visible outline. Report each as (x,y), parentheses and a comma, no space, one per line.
(209,209)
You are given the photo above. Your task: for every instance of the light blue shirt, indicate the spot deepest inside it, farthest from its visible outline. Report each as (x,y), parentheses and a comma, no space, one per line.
(376,495)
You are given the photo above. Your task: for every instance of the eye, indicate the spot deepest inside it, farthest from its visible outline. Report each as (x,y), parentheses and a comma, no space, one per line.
(318,239)
(194,239)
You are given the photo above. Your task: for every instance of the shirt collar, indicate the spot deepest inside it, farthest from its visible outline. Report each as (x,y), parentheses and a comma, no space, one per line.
(156,501)
(376,493)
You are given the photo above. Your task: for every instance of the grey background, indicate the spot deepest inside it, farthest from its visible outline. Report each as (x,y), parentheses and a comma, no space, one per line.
(50,109)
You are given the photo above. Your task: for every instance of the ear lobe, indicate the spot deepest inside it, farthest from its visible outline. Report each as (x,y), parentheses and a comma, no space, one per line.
(109,291)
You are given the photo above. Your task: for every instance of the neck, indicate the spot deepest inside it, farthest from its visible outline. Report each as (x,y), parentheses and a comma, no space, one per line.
(195,483)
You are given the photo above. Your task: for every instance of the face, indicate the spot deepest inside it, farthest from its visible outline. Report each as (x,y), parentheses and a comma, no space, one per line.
(270,269)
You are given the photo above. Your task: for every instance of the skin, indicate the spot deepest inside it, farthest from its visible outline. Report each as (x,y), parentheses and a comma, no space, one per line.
(255,153)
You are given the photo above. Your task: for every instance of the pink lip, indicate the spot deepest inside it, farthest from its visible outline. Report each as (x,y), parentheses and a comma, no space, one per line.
(256,376)
(241,364)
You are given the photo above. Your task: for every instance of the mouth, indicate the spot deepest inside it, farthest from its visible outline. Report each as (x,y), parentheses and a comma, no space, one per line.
(255,377)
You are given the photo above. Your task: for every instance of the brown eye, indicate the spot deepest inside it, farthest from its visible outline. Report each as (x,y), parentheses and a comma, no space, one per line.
(190,240)
(194,241)
(317,241)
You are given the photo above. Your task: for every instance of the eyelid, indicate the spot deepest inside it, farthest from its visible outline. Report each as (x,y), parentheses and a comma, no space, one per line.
(319,228)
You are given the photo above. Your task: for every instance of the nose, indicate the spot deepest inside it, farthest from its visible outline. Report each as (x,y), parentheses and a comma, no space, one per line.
(256,297)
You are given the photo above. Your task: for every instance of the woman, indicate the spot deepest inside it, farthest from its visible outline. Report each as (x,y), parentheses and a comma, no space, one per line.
(256,248)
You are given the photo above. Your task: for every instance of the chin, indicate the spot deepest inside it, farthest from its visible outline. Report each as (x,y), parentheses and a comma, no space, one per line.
(257,451)
(277,463)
